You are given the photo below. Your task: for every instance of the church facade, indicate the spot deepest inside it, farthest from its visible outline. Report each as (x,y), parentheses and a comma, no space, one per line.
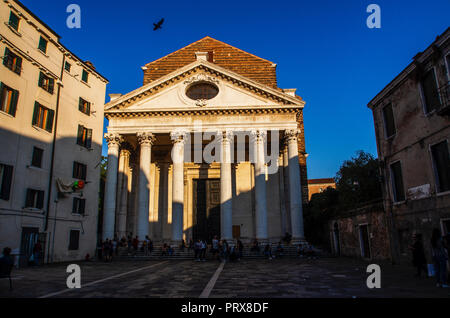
(209,145)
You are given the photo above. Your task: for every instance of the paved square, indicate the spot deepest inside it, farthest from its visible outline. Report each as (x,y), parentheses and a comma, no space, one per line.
(290,278)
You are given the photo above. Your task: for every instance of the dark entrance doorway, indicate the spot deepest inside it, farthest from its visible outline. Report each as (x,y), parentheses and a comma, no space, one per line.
(206,209)
(30,236)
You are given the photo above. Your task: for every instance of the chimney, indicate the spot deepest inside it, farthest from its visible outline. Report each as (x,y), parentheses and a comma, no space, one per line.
(113,97)
(89,63)
(202,56)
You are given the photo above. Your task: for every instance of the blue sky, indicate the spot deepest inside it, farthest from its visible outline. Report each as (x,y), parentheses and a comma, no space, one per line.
(322,47)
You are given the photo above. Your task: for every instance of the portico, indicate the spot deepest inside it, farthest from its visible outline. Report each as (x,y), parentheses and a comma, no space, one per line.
(204,122)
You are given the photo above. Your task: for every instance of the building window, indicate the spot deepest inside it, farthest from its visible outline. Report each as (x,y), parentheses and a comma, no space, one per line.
(441,162)
(79,171)
(67,66)
(43,117)
(35,199)
(397,182)
(84,137)
(43,45)
(12,61)
(8,99)
(84,107)
(85,76)
(389,122)
(202,91)
(46,83)
(79,206)
(6,173)
(430,91)
(74,240)
(36,161)
(14,21)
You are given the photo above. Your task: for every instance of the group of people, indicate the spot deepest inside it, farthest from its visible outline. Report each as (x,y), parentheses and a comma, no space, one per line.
(440,249)
(109,248)
(220,249)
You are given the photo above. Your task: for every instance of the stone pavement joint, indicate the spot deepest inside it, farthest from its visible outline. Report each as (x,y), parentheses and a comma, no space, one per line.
(207,291)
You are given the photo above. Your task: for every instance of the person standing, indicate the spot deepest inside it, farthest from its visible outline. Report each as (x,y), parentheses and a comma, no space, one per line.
(440,258)
(215,246)
(268,251)
(203,251)
(37,252)
(240,249)
(135,245)
(150,246)
(197,250)
(418,255)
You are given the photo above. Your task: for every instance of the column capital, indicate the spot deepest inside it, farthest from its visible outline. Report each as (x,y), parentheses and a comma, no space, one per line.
(225,136)
(145,138)
(258,135)
(292,134)
(113,139)
(178,136)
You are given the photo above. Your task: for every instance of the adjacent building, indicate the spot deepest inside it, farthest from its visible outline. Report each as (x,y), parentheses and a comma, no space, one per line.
(316,186)
(51,129)
(208,99)
(412,126)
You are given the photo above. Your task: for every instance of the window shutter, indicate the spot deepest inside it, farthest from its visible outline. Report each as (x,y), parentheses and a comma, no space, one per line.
(80,135)
(49,125)
(80,105)
(6,57)
(1,94)
(15,98)
(89,139)
(84,169)
(41,79)
(18,69)
(6,182)
(35,113)
(75,170)
(51,85)
(29,199)
(82,206)
(40,199)
(88,110)
(74,206)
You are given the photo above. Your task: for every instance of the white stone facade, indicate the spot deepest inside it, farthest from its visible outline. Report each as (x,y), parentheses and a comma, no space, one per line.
(169,137)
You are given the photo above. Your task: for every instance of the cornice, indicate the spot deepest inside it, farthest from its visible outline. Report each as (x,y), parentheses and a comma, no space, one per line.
(60,47)
(203,111)
(419,59)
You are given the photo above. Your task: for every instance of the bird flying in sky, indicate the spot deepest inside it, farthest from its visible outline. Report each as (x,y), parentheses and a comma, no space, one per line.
(158,25)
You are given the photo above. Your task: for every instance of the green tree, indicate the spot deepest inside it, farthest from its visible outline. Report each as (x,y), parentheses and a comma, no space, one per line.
(358,180)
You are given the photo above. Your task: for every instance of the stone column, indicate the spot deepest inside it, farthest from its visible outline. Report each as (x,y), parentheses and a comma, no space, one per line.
(295,188)
(281,194)
(258,139)
(124,169)
(109,210)
(178,139)
(146,141)
(226,205)
(286,196)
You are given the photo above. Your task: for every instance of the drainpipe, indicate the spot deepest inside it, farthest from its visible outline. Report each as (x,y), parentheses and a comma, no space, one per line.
(52,162)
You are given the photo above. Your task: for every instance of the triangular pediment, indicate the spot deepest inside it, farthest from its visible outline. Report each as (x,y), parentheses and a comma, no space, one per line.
(169,92)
